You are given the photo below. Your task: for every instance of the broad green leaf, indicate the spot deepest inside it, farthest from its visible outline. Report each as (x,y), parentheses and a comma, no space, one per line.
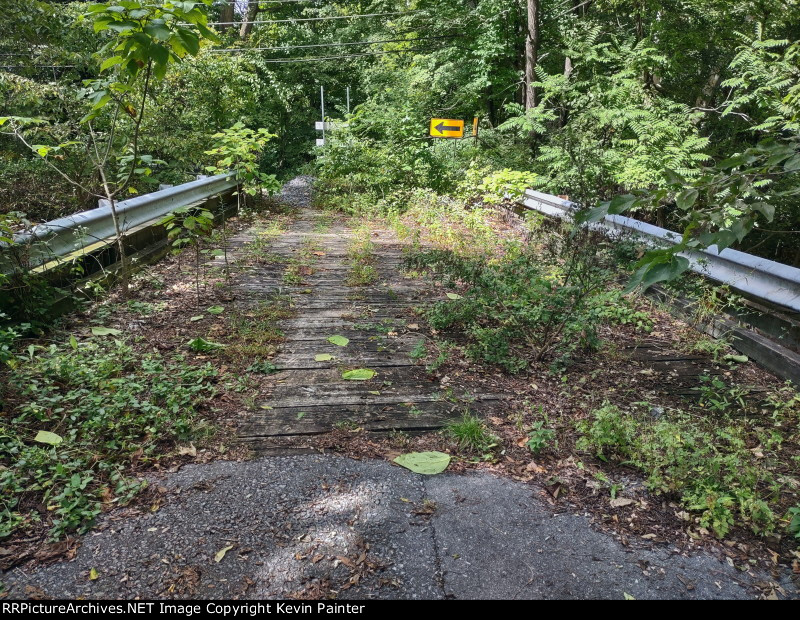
(686,198)
(673,178)
(339,341)
(105,331)
(621,203)
(93,574)
(765,209)
(323,357)
(73,342)
(359,374)
(110,62)
(739,359)
(654,272)
(792,164)
(48,438)
(453,296)
(201,345)
(427,463)
(595,214)
(215,310)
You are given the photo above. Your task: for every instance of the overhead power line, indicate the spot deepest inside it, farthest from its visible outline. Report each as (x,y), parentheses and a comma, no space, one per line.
(307,19)
(315,58)
(335,44)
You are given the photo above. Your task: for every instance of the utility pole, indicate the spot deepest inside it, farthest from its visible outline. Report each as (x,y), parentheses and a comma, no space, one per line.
(531,53)
(348,100)
(322,107)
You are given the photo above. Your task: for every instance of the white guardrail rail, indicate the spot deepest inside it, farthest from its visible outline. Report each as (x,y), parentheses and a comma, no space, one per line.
(52,240)
(755,276)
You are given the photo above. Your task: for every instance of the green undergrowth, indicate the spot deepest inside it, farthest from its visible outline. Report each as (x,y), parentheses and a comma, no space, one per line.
(78,417)
(725,469)
(526,308)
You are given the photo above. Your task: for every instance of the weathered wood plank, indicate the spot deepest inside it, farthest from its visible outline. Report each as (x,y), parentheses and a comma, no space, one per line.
(371,417)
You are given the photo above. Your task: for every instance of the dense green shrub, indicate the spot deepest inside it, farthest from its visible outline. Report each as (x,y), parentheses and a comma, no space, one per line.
(528,306)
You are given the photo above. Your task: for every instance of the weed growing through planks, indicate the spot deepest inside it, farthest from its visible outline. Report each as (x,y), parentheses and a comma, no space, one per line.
(419,351)
(717,348)
(360,254)
(346,425)
(717,396)
(323,223)
(298,269)
(262,367)
(104,408)
(361,275)
(444,348)
(295,272)
(472,436)
(254,333)
(257,251)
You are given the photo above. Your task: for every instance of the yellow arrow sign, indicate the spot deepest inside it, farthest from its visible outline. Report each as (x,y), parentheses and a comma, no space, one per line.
(447,128)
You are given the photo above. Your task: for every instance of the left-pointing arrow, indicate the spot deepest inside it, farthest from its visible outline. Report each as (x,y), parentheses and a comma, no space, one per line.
(441,127)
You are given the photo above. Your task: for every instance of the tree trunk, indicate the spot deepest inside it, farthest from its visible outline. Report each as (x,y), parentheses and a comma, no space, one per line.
(226,15)
(247,25)
(531,53)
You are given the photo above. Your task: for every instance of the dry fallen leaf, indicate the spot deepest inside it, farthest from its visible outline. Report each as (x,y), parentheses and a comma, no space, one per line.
(189,450)
(622,501)
(221,553)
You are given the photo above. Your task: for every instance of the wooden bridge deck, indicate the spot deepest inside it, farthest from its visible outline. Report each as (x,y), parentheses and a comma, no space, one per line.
(308,397)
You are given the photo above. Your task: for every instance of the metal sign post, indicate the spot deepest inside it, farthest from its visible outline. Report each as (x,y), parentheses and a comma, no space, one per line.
(322,107)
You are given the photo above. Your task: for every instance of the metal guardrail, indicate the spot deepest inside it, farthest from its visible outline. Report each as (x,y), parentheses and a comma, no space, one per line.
(52,240)
(758,277)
